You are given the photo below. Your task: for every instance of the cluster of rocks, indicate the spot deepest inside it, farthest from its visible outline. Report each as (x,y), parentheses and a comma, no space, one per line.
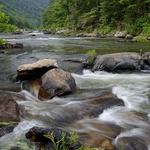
(123,35)
(120,62)
(45,79)
(11,45)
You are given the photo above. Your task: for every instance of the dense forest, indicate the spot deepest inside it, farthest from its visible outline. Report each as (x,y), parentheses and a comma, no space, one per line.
(5,25)
(24,13)
(102,16)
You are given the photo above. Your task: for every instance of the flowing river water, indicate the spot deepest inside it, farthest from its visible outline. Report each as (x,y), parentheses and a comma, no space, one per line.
(70,112)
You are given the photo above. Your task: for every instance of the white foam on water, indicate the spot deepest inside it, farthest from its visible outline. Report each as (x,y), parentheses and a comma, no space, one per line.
(137,132)
(132,88)
(19,132)
(124,117)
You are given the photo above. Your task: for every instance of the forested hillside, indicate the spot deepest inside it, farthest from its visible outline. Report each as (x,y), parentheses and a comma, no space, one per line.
(5,25)
(24,13)
(101,16)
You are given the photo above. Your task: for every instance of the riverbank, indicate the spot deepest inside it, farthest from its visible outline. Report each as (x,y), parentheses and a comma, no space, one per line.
(117,35)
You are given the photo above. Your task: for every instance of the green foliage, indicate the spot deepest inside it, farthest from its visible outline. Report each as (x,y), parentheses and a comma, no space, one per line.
(5,26)
(104,29)
(91,57)
(63,143)
(103,15)
(1,43)
(91,52)
(140,38)
(24,13)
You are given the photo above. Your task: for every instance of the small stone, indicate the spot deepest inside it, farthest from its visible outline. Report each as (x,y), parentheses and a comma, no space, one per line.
(120,34)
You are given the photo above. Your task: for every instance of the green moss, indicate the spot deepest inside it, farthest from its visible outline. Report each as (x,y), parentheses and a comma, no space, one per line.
(140,38)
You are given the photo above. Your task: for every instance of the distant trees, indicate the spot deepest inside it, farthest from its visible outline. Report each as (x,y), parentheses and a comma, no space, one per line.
(130,15)
(25,13)
(4,22)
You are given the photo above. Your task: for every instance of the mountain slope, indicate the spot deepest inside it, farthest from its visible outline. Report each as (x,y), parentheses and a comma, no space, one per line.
(25,12)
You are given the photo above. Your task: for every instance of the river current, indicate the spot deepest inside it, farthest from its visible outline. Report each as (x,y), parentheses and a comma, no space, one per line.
(132,88)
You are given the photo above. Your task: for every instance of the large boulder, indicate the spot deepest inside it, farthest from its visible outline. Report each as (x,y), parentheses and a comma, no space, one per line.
(49,138)
(56,82)
(35,70)
(118,62)
(9,109)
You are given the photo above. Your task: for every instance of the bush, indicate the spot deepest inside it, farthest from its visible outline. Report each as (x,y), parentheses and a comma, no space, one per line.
(105,30)
(7,27)
(2,42)
(140,38)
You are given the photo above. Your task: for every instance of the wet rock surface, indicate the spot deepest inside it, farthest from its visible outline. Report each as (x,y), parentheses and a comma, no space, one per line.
(71,65)
(48,137)
(7,128)
(131,143)
(118,62)
(57,82)
(9,109)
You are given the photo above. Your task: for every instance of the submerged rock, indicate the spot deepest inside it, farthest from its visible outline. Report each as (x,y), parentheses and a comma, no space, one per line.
(56,82)
(35,70)
(48,138)
(11,45)
(71,65)
(118,62)
(94,133)
(131,143)
(103,102)
(7,127)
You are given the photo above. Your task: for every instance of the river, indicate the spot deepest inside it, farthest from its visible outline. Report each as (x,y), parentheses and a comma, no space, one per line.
(132,88)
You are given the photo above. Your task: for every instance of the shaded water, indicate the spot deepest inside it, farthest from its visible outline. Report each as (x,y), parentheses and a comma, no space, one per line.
(72,112)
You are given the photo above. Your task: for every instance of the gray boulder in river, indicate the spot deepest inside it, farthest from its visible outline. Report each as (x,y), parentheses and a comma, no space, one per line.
(118,62)
(56,82)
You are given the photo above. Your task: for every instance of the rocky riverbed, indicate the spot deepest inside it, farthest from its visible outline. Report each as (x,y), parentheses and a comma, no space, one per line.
(45,88)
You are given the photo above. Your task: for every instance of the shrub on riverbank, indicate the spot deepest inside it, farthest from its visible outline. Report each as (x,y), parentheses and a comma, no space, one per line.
(2,42)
